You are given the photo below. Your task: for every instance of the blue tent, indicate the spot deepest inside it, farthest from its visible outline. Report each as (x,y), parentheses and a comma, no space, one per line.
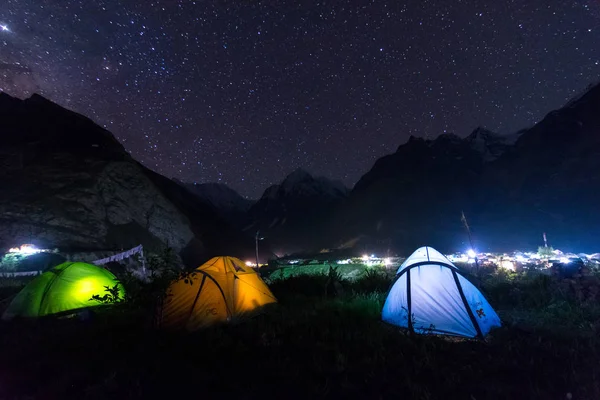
(430,289)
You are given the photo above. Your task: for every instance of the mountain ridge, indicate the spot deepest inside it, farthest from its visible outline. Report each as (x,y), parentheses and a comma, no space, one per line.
(513,189)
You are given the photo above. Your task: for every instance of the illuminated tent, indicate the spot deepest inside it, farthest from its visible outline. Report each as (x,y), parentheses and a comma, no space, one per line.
(430,289)
(220,290)
(68,286)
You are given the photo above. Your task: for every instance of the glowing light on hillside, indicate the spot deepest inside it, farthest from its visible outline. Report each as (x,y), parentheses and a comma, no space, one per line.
(387,261)
(471,253)
(25,249)
(250,264)
(507,265)
(365,257)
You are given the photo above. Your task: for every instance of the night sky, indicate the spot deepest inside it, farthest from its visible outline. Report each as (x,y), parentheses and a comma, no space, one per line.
(243,92)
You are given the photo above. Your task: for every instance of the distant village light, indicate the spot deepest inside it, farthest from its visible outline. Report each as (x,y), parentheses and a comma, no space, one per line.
(25,249)
(508,265)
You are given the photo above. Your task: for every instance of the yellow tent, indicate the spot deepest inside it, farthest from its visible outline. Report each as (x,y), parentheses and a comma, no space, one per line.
(222,289)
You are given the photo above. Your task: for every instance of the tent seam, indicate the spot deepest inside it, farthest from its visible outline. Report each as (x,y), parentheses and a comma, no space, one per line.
(49,286)
(466,304)
(409,303)
(206,274)
(197,297)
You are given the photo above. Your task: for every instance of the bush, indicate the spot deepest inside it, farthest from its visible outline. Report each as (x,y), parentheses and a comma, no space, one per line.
(545,252)
(162,268)
(112,295)
(373,280)
(299,285)
(534,301)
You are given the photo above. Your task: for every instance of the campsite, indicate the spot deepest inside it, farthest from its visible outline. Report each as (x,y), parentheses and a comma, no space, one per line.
(299,200)
(323,338)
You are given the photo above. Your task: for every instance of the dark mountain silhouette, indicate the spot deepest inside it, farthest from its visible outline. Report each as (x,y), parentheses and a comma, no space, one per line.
(229,203)
(291,214)
(549,181)
(512,188)
(68,183)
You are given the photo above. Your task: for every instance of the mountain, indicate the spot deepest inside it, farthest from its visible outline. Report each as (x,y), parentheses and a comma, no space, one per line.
(489,144)
(291,214)
(405,194)
(67,183)
(548,181)
(511,188)
(229,203)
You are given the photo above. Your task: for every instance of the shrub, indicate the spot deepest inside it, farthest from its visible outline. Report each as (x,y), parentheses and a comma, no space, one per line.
(112,296)
(299,285)
(545,252)
(162,268)
(373,280)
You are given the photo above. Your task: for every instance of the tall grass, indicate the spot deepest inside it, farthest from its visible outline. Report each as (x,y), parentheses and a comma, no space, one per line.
(315,345)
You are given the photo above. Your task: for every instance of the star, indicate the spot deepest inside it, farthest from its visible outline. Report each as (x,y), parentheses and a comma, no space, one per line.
(220,93)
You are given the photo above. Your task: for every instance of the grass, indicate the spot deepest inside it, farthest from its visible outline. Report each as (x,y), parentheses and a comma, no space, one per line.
(348,271)
(316,344)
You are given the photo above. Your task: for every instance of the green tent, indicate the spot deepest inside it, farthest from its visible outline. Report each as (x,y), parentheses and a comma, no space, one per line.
(68,286)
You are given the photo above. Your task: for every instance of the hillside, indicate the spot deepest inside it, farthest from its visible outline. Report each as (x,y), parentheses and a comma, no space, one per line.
(67,183)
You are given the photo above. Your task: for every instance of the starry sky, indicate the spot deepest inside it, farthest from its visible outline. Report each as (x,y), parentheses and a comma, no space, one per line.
(243,92)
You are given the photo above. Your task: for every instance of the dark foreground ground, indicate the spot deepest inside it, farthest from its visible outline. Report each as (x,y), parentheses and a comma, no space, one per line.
(313,345)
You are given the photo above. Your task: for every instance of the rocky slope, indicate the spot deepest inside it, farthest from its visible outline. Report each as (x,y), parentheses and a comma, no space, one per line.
(68,183)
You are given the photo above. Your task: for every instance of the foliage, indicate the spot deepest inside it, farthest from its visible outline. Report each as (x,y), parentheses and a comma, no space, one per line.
(348,271)
(298,286)
(161,269)
(545,252)
(373,280)
(10,261)
(112,295)
(334,275)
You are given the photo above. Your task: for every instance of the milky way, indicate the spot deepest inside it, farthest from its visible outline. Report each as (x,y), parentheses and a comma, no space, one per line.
(243,92)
